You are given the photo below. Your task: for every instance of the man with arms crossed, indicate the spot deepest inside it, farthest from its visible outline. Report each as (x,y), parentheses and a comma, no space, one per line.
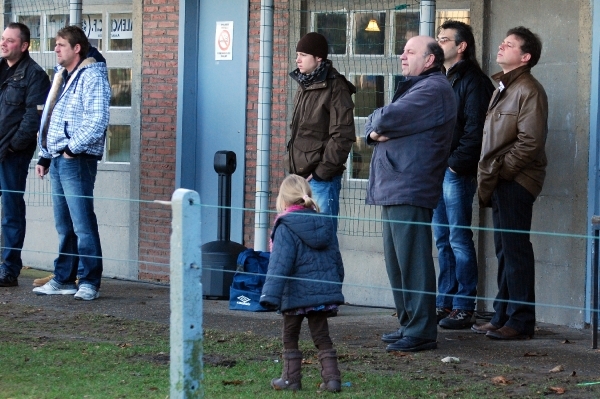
(511,173)
(412,137)
(71,142)
(23,87)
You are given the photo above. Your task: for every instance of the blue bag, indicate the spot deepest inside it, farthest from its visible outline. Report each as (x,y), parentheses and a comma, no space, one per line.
(245,290)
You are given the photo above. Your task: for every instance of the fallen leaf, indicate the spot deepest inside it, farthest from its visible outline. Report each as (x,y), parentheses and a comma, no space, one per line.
(532,354)
(557,369)
(557,390)
(233,382)
(566,341)
(500,380)
(574,373)
(306,361)
(450,359)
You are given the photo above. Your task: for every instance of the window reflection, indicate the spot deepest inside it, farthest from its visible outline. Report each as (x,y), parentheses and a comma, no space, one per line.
(369,94)
(121,32)
(118,143)
(33,23)
(120,85)
(54,23)
(407,26)
(92,26)
(333,27)
(369,42)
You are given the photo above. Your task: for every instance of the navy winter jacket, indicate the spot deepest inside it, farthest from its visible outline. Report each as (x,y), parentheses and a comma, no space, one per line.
(408,169)
(304,248)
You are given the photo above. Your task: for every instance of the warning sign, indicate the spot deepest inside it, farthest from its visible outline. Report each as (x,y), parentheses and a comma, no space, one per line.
(224,41)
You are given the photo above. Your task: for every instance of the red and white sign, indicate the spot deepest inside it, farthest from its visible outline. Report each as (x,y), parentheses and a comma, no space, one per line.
(224,41)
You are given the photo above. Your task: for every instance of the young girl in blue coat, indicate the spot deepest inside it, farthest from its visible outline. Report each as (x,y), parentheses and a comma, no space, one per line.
(304,248)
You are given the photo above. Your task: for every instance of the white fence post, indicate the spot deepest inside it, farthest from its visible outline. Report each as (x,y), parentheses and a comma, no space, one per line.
(186,297)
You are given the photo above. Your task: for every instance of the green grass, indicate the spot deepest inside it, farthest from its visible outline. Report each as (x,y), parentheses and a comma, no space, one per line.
(49,354)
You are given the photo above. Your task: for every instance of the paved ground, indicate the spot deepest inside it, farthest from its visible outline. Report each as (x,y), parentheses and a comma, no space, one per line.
(356,326)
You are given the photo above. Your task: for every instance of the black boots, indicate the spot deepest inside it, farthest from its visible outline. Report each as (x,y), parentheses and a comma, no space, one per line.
(330,373)
(290,376)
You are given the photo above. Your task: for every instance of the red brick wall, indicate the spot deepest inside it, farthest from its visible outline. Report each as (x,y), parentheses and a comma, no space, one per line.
(160,21)
(278,112)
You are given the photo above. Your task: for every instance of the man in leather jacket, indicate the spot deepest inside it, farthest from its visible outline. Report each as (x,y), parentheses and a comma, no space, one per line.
(457,280)
(322,128)
(24,86)
(511,173)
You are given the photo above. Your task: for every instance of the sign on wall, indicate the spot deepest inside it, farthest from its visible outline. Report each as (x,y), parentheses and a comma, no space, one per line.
(121,26)
(224,41)
(92,26)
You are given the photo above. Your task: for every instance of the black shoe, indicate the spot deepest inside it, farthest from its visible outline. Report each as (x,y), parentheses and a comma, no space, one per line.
(393,336)
(441,313)
(6,280)
(411,344)
(458,319)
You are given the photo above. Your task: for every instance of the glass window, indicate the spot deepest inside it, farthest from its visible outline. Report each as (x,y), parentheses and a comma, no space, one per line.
(121,32)
(369,94)
(118,143)
(406,25)
(54,23)
(369,33)
(33,23)
(333,27)
(120,85)
(92,26)
(360,159)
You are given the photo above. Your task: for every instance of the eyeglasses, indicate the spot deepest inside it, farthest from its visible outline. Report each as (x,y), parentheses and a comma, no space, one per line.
(442,40)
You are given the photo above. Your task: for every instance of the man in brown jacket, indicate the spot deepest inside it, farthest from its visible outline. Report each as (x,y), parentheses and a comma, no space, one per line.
(511,173)
(322,128)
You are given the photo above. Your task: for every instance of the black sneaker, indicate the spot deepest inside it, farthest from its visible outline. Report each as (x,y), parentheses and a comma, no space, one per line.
(458,319)
(6,280)
(441,313)
(393,336)
(411,344)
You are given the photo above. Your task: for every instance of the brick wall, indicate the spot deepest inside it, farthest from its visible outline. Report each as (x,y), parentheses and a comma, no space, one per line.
(160,21)
(278,112)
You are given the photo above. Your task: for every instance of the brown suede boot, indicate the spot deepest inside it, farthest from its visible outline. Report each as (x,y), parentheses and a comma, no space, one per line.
(290,375)
(330,373)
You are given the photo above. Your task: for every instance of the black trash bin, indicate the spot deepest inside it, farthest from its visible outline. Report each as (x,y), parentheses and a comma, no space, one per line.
(219,258)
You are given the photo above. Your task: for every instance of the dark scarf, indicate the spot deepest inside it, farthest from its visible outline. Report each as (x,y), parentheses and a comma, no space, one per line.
(308,79)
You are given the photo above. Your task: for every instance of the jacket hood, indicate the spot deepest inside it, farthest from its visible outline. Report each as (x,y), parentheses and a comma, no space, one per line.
(314,229)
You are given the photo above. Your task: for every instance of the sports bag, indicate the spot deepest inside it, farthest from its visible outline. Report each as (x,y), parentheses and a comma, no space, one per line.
(248,281)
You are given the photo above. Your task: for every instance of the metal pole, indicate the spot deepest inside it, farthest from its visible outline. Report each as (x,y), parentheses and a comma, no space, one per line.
(75,11)
(595,282)
(427,24)
(186,297)
(265,89)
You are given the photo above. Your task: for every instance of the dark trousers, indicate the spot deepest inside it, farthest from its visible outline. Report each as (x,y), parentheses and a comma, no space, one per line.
(319,330)
(512,207)
(407,247)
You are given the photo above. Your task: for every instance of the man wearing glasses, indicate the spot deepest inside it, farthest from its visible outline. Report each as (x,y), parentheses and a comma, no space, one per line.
(457,280)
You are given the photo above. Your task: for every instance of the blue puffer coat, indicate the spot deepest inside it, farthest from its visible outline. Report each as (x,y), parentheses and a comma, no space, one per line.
(304,248)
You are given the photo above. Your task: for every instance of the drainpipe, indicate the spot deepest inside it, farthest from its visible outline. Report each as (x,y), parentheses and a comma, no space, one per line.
(427,11)
(75,10)
(265,89)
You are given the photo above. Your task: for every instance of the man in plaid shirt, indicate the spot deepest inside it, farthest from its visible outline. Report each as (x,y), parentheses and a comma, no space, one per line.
(71,141)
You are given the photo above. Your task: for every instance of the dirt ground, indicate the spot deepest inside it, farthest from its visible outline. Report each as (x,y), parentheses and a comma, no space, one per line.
(528,362)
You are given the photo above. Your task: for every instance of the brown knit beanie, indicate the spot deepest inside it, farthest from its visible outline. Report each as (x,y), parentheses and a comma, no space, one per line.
(313,43)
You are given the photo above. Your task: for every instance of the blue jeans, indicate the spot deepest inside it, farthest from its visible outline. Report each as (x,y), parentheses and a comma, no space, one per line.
(327,196)
(13,177)
(457,281)
(78,239)
(512,209)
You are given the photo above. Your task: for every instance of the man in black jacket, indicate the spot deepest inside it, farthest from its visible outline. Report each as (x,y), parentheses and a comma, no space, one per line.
(23,88)
(457,281)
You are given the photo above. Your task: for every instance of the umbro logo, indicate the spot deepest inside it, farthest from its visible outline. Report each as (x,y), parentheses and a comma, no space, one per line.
(243,300)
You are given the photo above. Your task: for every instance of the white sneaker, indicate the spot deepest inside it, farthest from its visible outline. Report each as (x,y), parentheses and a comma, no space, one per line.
(87,292)
(54,288)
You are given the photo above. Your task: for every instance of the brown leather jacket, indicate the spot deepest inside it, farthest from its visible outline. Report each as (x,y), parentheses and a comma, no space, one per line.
(322,128)
(514,135)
